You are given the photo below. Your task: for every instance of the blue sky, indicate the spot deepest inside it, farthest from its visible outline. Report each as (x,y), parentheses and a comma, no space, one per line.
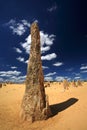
(63,33)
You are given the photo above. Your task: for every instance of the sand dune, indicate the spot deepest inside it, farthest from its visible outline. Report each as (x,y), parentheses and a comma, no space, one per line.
(69,108)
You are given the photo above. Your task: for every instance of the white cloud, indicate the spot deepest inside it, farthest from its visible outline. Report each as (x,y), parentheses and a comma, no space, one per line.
(44,49)
(50,74)
(58,64)
(18,28)
(45,67)
(59,78)
(13,67)
(26,44)
(22,77)
(21,59)
(13,76)
(48,79)
(28,39)
(83,67)
(53,8)
(17,50)
(68,79)
(9,73)
(26,23)
(26,61)
(18,79)
(46,39)
(49,56)
(77,77)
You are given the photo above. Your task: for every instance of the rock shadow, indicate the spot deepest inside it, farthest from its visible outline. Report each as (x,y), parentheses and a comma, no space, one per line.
(56,108)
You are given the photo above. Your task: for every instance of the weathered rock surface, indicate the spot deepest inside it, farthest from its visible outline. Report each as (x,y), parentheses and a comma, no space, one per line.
(35,104)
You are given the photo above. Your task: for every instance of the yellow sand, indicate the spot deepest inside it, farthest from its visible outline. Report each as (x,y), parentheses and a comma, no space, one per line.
(69,108)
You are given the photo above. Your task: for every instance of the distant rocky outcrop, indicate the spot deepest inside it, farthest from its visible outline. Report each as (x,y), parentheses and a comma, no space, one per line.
(65,84)
(74,84)
(35,104)
(79,83)
(0,85)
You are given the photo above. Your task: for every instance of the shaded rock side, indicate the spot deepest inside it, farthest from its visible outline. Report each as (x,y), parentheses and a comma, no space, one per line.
(35,104)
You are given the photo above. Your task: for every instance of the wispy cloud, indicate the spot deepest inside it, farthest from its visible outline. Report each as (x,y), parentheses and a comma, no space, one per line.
(76,74)
(83,67)
(59,78)
(46,38)
(58,64)
(26,62)
(44,49)
(21,59)
(49,56)
(18,28)
(18,79)
(45,67)
(9,73)
(26,23)
(50,74)
(78,77)
(17,50)
(13,76)
(26,44)
(13,67)
(52,8)
(48,78)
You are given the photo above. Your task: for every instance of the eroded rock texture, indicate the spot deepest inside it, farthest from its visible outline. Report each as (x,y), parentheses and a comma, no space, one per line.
(35,104)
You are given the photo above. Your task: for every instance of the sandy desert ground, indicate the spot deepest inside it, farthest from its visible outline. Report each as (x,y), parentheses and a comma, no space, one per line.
(69,108)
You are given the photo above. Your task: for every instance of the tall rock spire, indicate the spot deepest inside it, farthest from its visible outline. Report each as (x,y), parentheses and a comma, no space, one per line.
(35,104)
